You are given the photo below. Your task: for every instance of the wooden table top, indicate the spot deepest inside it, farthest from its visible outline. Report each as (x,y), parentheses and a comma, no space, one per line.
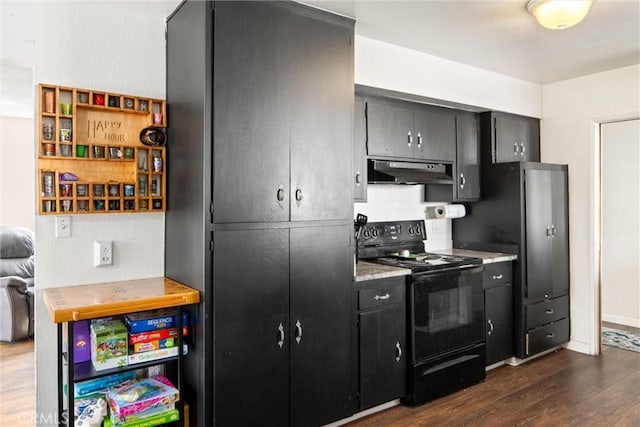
(83,302)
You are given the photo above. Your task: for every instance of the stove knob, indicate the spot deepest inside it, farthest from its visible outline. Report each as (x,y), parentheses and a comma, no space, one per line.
(374,233)
(366,233)
(410,231)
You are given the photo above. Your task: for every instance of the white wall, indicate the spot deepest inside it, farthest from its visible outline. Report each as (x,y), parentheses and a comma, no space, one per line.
(386,66)
(570,112)
(17,176)
(620,283)
(108,46)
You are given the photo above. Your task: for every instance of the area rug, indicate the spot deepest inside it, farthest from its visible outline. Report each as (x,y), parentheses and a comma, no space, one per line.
(621,339)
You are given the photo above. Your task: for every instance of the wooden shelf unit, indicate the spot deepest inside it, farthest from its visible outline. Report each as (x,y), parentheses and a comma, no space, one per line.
(68,305)
(99,142)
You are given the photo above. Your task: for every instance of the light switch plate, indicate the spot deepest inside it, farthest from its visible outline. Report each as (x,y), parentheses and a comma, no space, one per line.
(63,226)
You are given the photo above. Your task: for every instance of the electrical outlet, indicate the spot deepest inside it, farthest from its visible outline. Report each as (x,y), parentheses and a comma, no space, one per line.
(102,253)
(63,226)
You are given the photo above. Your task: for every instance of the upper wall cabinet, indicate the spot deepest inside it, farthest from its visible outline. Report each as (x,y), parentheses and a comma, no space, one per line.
(283,115)
(410,131)
(510,138)
(360,151)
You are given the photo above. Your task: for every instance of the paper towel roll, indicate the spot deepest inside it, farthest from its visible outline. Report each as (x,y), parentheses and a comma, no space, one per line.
(446,211)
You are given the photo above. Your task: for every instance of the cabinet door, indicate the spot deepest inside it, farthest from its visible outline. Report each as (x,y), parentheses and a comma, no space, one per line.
(467,186)
(320,76)
(538,221)
(390,129)
(531,140)
(509,138)
(383,363)
(359,177)
(435,134)
(560,232)
(251,120)
(499,317)
(321,282)
(251,301)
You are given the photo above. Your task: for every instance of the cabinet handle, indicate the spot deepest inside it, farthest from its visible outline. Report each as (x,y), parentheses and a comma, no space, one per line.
(549,232)
(490,331)
(298,195)
(546,295)
(409,138)
(553,231)
(522,149)
(298,331)
(379,297)
(399,351)
(463,181)
(551,335)
(419,139)
(515,149)
(280,194)
(549,311)
(280,335)
(358,178)
(498,277)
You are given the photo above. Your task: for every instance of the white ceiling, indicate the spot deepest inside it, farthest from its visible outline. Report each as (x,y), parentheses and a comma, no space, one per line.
(501,36)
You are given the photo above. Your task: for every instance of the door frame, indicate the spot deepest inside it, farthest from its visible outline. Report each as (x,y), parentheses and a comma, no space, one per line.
(595,238)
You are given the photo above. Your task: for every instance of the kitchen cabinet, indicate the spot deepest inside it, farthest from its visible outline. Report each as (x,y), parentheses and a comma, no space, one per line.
(263,222)
(382,338)
(498,311)
(526,204)
(466,186)
(281,335)
(283,101)
(409,130)
(359,177)
(510,138)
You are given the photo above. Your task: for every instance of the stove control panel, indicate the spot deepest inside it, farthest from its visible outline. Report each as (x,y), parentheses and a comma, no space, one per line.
(397,232)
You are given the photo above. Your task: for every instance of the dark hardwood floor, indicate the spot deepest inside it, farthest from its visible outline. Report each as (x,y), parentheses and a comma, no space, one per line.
(564,388)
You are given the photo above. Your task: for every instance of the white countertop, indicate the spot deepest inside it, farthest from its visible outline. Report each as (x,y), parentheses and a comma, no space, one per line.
(487,257)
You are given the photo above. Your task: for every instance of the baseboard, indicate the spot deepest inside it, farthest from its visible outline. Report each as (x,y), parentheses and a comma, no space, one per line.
(514,361)
(621,320)
(365,413)
(579,347)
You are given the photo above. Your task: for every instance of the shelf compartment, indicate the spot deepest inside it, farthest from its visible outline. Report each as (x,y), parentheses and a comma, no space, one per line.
(84,371)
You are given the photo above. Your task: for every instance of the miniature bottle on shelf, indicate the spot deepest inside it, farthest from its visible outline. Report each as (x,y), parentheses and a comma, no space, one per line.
(157,162)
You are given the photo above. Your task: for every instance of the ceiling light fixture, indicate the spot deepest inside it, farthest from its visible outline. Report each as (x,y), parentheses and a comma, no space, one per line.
(559,14)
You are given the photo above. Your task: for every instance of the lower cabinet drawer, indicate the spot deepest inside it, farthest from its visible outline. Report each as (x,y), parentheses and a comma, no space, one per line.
(381,296)
(546,337)
(496,274)
(547,311)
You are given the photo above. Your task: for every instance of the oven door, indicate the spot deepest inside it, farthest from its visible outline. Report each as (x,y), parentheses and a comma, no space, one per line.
(447,311)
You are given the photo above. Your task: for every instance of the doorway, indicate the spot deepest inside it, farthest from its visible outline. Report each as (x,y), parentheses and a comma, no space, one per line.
(620,225)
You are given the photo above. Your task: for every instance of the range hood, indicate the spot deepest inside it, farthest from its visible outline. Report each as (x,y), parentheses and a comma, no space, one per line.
(390,172)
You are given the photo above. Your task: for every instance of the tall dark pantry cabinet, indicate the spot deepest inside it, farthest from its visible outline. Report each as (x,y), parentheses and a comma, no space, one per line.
(259,214)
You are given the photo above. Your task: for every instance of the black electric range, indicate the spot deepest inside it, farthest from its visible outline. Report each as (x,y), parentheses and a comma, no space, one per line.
(445,309)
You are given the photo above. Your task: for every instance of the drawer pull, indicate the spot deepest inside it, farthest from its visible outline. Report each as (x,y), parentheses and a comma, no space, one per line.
(549,311)
(382,297)
(399,351)
(498,277)
(490,331)
(551,335)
